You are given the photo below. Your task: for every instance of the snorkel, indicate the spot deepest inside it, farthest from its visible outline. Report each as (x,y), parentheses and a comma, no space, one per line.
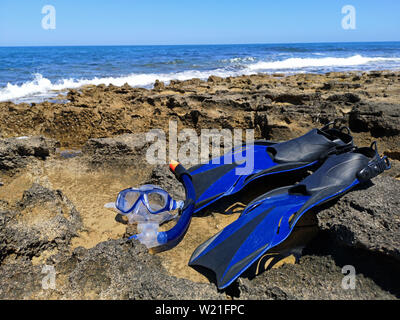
(175,234)
(136,205)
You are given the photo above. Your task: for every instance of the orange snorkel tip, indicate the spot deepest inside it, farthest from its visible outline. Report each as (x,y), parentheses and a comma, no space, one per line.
(173,164)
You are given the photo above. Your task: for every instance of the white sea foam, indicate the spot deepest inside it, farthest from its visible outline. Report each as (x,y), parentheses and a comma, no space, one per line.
(298,63)
(41,86)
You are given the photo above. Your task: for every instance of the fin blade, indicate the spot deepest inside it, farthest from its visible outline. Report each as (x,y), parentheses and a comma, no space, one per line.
(218,253)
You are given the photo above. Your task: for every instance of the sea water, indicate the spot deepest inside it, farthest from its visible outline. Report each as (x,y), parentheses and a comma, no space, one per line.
(31,74)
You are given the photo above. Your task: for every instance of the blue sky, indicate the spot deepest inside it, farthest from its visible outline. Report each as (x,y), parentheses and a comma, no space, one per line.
(124,22)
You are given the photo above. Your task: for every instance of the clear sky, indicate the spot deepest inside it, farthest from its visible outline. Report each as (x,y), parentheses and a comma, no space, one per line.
(133,22)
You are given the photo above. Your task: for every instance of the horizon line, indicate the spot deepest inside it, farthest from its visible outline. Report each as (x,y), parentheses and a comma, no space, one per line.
(190,44)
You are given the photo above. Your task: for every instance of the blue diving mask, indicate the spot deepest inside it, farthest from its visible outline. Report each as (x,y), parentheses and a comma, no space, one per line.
(149,206)
(148,203)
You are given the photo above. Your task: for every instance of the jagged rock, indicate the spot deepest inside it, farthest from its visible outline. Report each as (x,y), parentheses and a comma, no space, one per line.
(20,280)
(159,85)
(193,116)
(339,85)
(381,119)
(164,178)
(176,101)
(118,269)
(73,95)
(314,277)
(367,218)
(114,269)
(235,101)
(43,219)
(297,99)
(17,152)
(119,145)
(321,112)
(116,150)
(347,97)
(214,79)
(261,121)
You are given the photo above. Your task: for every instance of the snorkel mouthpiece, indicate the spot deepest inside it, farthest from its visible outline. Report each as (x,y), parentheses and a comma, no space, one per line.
(149,235)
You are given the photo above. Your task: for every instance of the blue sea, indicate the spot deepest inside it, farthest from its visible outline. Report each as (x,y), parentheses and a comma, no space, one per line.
(31,74)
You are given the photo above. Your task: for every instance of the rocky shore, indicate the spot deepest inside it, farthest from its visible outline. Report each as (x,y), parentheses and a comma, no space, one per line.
(61,162)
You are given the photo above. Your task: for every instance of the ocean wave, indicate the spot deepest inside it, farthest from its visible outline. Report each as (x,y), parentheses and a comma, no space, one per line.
(41,86)
(298,63)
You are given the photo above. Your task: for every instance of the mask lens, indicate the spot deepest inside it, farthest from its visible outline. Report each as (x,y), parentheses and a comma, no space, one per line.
(157,201)
(127,199)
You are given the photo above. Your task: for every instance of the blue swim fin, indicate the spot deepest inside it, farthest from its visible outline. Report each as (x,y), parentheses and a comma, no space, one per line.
(226,175)
(268,220)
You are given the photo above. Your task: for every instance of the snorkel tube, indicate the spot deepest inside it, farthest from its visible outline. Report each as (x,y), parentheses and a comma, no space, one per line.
(150,236)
